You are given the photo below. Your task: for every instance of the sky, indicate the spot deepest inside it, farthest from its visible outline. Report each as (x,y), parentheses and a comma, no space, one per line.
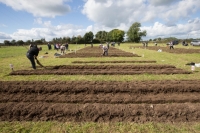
(37,19)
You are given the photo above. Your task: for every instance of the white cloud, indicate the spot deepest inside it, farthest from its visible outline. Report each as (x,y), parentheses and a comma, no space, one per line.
(182,10)
(4,36)
(162,16)
(38,21)
(48,31)
(191,29)
(113,13)
(42,8)
(161,2)
(180,30)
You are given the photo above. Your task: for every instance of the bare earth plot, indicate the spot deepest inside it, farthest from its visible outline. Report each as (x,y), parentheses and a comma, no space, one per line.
(101,101)
(187,50)
(140,61)
(97,52)
(84,101)
(104,70)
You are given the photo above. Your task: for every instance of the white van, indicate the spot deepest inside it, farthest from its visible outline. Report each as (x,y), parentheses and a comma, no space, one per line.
(195,43)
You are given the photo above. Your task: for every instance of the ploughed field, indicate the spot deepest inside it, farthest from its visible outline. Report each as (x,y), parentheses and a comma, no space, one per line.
(104,70)
(100,101)
(97,52)
(187,50)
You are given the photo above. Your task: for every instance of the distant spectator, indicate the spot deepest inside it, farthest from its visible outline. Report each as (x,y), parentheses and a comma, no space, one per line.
(57,46)
(145,44)
(113,44)
(62,49)
(171,45)
(118,43)
(54,46)
(49,46)
(67,46)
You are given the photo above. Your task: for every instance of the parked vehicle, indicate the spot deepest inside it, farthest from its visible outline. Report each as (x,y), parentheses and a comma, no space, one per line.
(195,43)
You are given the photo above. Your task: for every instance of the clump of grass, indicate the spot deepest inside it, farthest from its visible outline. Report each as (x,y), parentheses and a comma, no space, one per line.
(91,127)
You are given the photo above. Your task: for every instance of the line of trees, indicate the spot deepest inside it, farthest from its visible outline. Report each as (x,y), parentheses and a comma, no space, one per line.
(134,34)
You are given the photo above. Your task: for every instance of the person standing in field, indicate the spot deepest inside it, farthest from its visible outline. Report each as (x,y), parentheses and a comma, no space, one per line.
(57,46)
(105,51)
(62,49)
(32,54)
(171,45)
(67,46)
(49,46)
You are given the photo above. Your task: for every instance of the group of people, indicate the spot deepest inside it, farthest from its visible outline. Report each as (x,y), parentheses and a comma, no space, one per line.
(60,47)
(34,50)
(145,44)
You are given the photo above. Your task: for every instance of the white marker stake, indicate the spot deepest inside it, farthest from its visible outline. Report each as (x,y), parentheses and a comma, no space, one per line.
(193,68)
(11,66)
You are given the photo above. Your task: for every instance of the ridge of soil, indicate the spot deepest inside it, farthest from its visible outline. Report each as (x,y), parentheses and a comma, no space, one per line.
(103,70)
(96,101)
(140,61)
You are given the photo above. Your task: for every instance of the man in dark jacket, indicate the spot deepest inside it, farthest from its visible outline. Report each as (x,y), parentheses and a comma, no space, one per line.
(32,54)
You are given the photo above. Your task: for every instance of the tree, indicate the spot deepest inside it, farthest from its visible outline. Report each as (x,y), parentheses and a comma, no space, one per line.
(159,39)
(79,39)
(88,37)
(68,39)
(28,42)
(73,40)
(43,40)
(38,42)
(6,42)
(134,33)
(116,35)
(20,42)
(101,36)
(13,42)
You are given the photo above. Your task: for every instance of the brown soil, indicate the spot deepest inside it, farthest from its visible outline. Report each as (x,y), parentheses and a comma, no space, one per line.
(101,101)
(103,70)
(84,101)
(186,50)
(97,52)
(141,61)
